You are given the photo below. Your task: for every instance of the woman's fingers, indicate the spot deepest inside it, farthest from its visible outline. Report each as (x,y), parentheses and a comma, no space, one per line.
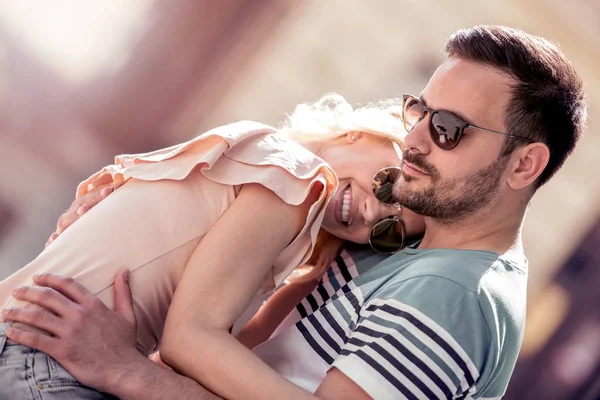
(92,197)
(37,318)
(80,206)
(51,239)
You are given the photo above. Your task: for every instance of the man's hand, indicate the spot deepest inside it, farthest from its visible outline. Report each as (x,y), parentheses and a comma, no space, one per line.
(80,206)
(91,341)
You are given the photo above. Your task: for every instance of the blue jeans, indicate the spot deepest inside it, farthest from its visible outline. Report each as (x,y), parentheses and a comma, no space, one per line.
(26,373)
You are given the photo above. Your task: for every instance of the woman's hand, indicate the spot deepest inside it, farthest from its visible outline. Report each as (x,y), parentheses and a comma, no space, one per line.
(78,208)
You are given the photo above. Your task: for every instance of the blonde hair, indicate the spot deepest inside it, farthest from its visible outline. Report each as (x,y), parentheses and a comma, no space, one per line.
(327,119)
(332,116)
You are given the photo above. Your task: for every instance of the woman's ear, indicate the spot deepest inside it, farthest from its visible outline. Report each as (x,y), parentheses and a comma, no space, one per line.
(530,163)
(352,137)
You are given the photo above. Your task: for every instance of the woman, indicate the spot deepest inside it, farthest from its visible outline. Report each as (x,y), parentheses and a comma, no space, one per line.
(208,228)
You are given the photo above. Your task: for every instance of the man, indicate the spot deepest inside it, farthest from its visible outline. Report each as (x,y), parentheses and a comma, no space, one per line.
(442,320)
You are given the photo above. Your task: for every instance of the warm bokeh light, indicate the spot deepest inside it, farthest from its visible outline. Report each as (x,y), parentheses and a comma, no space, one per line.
(78,39)
(547,314)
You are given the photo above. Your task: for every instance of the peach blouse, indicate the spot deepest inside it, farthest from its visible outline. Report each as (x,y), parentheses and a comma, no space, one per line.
(164,203)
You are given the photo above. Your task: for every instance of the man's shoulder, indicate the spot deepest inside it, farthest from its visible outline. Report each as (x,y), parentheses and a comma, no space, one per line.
(491,286)
(470,304)
(456,290)
(471,269)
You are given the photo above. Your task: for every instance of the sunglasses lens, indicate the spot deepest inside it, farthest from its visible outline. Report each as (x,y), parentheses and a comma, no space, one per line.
(445,129)
(387,236)
(383,183)
(412,112)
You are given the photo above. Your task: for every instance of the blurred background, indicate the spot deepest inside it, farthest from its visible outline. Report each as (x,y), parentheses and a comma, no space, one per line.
(81,81)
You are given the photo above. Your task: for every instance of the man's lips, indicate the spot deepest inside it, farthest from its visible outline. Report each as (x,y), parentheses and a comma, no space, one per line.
(410,169)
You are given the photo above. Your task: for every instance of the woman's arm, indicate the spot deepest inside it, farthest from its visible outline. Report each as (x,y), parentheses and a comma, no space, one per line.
(222,276)
(273,312)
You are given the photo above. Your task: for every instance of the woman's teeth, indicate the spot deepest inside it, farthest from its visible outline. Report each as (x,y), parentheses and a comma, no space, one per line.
(346,201)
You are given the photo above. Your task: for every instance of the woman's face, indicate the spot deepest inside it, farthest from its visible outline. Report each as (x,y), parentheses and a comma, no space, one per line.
(354,209)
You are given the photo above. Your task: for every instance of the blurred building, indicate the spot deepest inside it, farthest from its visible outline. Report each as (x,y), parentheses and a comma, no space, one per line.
(83,81)
(560,358)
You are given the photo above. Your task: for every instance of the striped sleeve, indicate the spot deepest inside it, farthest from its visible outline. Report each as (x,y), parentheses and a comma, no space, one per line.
(424,338)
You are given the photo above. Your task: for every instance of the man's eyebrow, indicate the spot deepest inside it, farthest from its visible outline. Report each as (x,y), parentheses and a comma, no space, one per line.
(458,114)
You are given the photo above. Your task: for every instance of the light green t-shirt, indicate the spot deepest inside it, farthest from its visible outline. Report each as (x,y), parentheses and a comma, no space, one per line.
(420,324)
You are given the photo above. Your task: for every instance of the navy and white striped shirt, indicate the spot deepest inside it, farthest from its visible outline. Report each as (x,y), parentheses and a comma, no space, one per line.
(421,324)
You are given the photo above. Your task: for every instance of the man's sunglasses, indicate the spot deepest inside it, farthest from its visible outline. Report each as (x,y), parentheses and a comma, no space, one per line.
(388,235)
(446,129)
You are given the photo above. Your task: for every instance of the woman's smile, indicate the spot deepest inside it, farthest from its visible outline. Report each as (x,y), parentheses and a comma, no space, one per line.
(344,206)
(354,209)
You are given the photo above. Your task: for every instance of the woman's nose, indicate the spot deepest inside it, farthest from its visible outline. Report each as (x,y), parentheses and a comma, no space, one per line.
(374,211)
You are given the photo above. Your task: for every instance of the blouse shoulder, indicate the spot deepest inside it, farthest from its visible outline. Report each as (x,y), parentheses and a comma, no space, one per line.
(236,154)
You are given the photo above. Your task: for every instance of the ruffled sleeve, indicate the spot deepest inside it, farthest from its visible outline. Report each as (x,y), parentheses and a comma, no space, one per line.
(236,154)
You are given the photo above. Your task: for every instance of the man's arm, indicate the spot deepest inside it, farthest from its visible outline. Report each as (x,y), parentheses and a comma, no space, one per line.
(96,344)
(144,379)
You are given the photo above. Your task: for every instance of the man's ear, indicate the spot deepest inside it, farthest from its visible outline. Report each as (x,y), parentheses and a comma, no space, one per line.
(528,162)
(353,137)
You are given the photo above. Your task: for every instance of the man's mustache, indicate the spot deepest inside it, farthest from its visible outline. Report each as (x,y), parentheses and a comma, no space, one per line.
(419,161)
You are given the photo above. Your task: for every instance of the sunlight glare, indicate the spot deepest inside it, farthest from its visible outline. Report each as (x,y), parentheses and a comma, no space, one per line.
(77,38)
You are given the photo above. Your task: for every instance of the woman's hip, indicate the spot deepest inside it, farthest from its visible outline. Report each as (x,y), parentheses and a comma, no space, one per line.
(26,373)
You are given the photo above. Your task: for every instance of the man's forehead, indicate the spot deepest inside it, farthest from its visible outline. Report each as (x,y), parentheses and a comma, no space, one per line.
(470,90)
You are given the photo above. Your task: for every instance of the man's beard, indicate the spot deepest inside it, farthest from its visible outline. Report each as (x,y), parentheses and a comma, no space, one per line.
(453,199)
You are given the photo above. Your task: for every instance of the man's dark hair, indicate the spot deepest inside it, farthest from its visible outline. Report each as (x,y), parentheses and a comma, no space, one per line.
(548,103)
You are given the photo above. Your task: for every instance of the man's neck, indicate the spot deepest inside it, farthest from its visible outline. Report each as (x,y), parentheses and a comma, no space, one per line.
(490,230)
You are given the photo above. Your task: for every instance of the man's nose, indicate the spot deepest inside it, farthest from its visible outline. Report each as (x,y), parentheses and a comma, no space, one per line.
(418,139)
